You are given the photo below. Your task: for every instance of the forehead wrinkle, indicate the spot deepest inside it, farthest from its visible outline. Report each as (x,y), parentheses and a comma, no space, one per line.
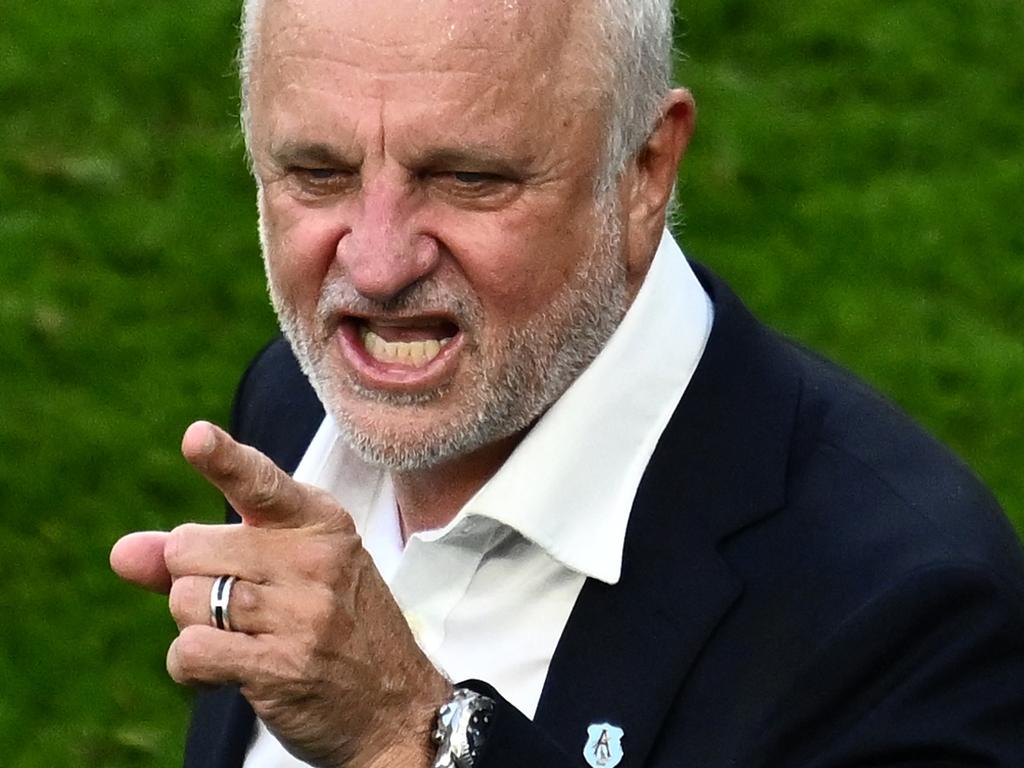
(414,40)
(544,70)
(413,35)
(410,135)
(442,79)
(491,75)
(302,37)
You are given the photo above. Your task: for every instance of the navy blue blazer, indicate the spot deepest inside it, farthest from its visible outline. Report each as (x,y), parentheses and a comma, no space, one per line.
(808,580)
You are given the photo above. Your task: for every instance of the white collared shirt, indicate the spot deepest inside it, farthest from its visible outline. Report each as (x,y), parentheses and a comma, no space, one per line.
(488,595)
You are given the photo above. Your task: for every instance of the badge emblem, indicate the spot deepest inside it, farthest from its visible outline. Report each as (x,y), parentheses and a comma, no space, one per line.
(604,746)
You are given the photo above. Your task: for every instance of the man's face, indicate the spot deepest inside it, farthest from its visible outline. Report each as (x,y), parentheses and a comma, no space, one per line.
(433,245)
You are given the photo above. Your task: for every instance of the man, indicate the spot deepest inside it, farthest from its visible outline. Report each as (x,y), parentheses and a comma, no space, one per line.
(569,504)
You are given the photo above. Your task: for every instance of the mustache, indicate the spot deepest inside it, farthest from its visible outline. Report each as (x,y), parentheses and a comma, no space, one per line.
(424,297)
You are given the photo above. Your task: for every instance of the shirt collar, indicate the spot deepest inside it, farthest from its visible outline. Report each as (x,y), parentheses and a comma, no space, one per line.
(568,487)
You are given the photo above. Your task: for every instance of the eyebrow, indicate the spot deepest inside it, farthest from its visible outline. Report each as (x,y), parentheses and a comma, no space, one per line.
(292,153)
(301,153)
(478,158)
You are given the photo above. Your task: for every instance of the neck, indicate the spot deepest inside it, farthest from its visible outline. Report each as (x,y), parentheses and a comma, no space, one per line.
(431,498)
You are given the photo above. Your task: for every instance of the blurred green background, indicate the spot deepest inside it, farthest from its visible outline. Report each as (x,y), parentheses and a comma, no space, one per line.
(858,175)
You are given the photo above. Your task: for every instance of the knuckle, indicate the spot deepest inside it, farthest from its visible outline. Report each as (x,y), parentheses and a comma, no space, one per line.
(325,623)
(266,485)
(178,543)
(244,598)
(317,560)
(183,655)
(190,644)
(318,495)
(322,499)
(346,525)
(179,599)
(174,664)
(329,511)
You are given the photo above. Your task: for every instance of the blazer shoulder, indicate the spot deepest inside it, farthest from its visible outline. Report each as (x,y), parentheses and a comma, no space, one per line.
(864,465)
(794,448)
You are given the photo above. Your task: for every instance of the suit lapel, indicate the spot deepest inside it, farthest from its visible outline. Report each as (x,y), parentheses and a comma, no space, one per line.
(625,650)
(719,465)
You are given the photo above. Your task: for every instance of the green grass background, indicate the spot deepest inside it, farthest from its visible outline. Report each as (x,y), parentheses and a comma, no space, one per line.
(858,175)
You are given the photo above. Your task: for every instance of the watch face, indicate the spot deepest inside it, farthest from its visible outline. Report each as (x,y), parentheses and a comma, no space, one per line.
(479,726)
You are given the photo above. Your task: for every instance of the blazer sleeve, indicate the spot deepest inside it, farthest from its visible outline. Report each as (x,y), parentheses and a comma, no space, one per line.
(514,740)
(929,674)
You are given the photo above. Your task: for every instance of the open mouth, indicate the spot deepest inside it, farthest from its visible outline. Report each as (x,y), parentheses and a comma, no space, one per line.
(401,351)
(415,352)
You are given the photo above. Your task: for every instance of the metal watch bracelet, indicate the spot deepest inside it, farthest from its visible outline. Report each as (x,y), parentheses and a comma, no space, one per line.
(463,724)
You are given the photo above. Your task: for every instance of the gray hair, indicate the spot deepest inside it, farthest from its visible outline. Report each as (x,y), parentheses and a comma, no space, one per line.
(634,59)
(249,33)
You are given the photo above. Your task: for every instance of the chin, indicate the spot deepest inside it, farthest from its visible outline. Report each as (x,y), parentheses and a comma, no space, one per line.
(402,452)
(399,432)
(419,435)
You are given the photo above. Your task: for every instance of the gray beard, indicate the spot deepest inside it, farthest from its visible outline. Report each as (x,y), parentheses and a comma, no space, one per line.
(536,363)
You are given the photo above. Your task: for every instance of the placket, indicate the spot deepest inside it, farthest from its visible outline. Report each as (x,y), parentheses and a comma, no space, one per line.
(433,577)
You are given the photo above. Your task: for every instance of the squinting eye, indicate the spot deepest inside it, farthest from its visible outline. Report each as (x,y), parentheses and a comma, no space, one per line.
(481,189)
(474,177)
(322,182)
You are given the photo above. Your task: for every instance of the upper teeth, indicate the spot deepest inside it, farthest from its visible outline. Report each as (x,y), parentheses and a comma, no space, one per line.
(414,353)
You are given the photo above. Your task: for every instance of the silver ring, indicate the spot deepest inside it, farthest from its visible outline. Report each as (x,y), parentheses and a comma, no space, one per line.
(220,597)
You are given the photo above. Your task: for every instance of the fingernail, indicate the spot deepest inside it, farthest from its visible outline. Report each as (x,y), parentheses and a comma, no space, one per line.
(205,443)
(209,439)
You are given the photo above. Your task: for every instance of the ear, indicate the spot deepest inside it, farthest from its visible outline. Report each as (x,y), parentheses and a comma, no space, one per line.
(658,160)
(653,174)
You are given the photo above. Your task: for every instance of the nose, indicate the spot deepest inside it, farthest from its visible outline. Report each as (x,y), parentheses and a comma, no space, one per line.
(384,252)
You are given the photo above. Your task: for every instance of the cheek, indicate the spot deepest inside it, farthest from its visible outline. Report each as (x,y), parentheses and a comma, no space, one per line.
(301,247)
(516,267)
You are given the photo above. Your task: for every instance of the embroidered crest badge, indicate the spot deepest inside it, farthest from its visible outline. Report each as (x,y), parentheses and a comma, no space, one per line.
(604,746)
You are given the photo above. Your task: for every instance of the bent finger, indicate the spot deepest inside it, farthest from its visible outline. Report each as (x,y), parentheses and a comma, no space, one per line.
(139,558)
(191,602)
(195,549)
(202,655)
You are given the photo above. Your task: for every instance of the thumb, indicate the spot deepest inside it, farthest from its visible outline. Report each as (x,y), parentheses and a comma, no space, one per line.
(139,558)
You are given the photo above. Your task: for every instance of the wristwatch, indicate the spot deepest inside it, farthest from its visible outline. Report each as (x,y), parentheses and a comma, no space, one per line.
(463,724)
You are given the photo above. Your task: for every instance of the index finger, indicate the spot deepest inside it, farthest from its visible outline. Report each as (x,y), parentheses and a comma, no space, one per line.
(260,491)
